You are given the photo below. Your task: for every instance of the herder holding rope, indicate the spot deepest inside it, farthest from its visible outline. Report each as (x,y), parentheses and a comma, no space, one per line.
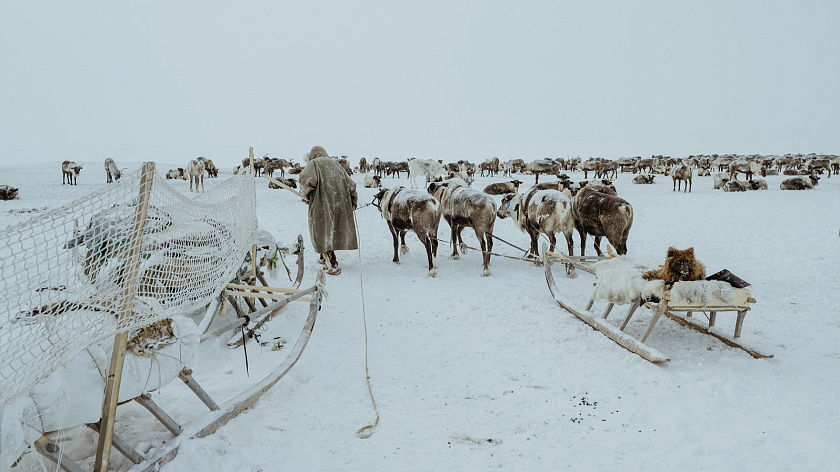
(332,199)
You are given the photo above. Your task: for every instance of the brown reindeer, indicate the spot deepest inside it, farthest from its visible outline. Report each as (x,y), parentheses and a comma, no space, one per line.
(542,166)
(501,188)
(606,169)
(681,174)
(600,214)
(461,207)
(411,210)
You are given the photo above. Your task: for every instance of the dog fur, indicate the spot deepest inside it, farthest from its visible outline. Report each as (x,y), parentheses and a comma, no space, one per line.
(680,265)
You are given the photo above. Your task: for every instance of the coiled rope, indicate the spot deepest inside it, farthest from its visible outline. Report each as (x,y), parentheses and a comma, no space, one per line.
(365,431)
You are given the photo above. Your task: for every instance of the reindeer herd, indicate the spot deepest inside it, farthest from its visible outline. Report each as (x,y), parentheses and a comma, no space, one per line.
(549,208)
(590,208)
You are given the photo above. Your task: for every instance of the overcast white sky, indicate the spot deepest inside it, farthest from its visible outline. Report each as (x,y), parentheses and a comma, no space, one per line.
(430,79)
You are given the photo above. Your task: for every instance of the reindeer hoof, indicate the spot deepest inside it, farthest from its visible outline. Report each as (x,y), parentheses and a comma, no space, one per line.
(403,249)
(485,273)
(433,273)
(570,272)
(455,256)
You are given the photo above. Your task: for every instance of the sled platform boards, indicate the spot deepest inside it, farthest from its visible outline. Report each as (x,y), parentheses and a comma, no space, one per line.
(677,310)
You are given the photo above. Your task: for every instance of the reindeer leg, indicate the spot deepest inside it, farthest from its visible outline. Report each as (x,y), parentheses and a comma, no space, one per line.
(461,240)
(454,241)
(570,269)
(403,247)
(484,252)
(396,259)
(582,242)
(427,242)
(598,245)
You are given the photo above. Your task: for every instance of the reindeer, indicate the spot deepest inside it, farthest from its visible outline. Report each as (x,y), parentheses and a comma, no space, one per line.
(211,169)
(258,164)
(112,173)
(461,207)
(287,182)
(428,168)
(643,164)
(70,170)
(818,165)
(373,181)
(600,214)
(411,210)
(606,169)
(540,211)
(643,179)
(800,183)
(542,166)
(378,168)
(195,172)
(501,188)
(681,174)
(746,167)
(7,192)
(589,166)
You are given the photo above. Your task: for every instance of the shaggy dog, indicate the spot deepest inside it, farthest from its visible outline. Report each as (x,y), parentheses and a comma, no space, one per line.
(679,266)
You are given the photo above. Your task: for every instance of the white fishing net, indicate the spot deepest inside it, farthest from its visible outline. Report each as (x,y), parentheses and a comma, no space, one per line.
(65,276)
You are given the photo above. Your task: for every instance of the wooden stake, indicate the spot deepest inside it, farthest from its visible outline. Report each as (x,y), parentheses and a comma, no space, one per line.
(112,387)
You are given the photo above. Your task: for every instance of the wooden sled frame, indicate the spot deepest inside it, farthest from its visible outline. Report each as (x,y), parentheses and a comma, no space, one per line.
(665,307)
(219,414)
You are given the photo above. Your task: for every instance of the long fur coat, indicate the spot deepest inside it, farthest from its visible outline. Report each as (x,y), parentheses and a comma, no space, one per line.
(332,199)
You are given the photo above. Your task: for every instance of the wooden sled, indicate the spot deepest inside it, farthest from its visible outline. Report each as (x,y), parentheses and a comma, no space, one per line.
(667,307)
(219,414)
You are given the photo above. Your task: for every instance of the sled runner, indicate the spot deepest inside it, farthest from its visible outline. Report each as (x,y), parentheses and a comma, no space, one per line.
(678,304)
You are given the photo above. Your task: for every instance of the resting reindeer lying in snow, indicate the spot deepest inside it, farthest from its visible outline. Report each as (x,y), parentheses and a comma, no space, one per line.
(501,188)
(287,182)
(195,172)
(800,183)
(373,181)
(461,207)
(411,210)
(643,179)
(178,173)
(541,211)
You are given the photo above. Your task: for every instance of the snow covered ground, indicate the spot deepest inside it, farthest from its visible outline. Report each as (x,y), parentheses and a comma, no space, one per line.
(474,373)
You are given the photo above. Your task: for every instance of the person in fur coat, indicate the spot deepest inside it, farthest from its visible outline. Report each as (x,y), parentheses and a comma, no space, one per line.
(332,199)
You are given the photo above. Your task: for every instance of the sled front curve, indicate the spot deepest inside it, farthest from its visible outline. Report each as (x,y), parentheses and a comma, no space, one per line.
(623,339)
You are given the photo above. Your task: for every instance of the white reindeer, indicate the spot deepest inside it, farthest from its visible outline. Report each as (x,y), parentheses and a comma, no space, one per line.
(195,172)
(111,171)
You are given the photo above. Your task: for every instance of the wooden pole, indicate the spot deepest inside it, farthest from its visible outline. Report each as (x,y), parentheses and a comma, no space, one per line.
(253,246)
(112,386)
(277,182)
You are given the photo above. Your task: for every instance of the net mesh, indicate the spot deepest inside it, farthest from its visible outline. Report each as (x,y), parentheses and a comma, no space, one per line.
(65,276)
